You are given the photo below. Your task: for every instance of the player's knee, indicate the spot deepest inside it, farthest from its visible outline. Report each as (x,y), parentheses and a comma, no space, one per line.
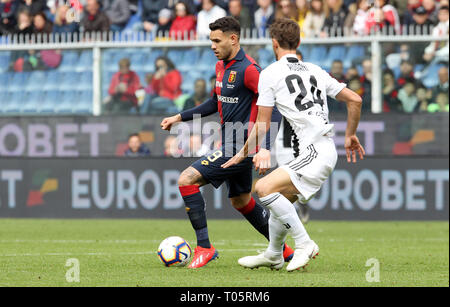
(184,180)
(262,188)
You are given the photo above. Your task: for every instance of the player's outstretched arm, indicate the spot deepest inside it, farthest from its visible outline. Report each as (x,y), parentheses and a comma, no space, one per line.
(167,122)
(207,108)
(352,144)
(259,130)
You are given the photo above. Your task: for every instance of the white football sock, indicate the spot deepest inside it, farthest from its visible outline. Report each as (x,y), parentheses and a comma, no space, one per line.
(277,235)
(285,212)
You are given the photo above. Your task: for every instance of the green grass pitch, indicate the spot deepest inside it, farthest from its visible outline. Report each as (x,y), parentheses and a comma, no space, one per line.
(123,253)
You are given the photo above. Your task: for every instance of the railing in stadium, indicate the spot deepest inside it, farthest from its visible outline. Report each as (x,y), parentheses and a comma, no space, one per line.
(98,43)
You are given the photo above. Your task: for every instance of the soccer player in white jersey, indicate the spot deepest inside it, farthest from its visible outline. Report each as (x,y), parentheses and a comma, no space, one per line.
(286,150)
(299,91)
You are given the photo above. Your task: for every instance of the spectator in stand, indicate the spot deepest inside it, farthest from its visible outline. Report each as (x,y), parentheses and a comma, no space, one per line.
(302,10)
(135,147)
(390,93)
(150,14)
(167,79)
(286,9)
(199,96)
(337,71)
(406,73)
(61,24)
(34,6)
(54,4)
(422,97)
(442,87)
(359,23)
(432,11)
(94,19)
(366,82)
(166,83)
(314,19)
(439,51)
(242,14)
(118,12)
(210,12)
(24,23)
(381,16)
(8,11)
(421,23)
(407,15)
(264,16)
(335,18)
(184,24)
(172,147)
(440,104)
(41,25)
(164,23)
(408,98)
(124,84)
(356,86)
(351,73)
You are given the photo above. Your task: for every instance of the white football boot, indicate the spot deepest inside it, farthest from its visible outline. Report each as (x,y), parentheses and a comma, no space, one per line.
(254,262)
(302,254)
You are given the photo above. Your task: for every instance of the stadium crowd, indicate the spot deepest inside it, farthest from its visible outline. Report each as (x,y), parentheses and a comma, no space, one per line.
(186,19)
(403,89)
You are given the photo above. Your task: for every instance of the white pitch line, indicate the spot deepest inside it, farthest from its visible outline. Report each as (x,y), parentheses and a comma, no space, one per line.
(108,254)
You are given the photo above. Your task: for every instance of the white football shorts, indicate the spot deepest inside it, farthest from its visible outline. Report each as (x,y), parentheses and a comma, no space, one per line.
(312,167)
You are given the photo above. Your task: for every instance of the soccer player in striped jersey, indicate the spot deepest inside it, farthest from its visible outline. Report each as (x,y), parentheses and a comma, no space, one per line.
(299,90)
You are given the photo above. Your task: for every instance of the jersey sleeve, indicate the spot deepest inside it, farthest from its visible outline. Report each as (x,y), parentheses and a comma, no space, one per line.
(251,78)
(266,90)
(333,86)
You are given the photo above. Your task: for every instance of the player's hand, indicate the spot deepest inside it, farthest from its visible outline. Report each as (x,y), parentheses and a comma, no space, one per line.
(238,158)
(167,122)
(353,146)
(262,161)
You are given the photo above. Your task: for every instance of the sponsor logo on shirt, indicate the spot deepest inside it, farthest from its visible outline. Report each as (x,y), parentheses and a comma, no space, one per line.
(226,99)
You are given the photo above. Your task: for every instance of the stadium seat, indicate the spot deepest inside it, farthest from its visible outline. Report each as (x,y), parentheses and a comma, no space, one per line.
(36,80)
(69,61)
(318,55)
(70,81)
(354,52)
(189,59)
(18,81)
(4,61)
(31,101)
(207,60)
(53,80)
(85,81)
(4,81)
(85,62)
(337,52)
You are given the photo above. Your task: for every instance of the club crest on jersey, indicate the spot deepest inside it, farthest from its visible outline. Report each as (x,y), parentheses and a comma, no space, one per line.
(232,76)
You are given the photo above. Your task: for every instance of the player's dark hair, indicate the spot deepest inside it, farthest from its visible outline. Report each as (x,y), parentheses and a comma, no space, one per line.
(169,63)
(133,135)
(286,32)
(226,24)
(337,61)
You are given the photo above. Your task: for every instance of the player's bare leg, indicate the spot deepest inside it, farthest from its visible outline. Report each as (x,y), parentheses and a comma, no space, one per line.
(269,190)
(189,183)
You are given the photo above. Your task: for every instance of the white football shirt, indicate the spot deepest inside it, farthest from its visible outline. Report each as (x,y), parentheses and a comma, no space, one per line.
(299,90)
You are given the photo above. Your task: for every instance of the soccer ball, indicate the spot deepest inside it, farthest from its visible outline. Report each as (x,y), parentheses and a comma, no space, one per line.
(174,251)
